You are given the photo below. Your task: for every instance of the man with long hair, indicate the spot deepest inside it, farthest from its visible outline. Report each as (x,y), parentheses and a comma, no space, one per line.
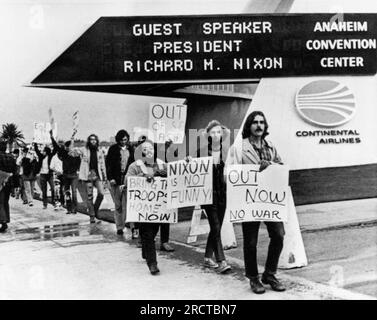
(119,157)
(257,150)
(92,172)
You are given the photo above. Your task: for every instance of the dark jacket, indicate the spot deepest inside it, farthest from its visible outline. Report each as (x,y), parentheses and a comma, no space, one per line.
(71,165)
(113,163)
(30,168)
(41,158)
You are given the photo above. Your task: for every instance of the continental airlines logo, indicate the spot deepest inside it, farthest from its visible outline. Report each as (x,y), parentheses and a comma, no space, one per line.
(326,103)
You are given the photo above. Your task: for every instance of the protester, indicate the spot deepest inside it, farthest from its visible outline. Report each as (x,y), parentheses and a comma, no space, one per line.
(257,150)
(16,179)
(46,174)
(71,166)
(92,172)
(148,165)
(215,136)
(119,157)
(7,169)
(30,169)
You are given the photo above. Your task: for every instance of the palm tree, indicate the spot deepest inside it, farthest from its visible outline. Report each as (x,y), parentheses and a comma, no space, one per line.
(12,135)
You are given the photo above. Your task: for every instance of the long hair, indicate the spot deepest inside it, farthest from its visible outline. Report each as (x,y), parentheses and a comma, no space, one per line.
(88,145)
(246,132)
(120,135)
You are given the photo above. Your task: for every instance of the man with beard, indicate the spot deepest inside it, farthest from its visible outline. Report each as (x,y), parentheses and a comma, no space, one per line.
(257,150)
(119,157)
(92,172)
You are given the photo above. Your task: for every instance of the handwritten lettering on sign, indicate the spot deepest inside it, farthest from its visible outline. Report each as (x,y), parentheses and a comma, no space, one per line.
(257,196)
(146,202)
(190,183)
(167,122)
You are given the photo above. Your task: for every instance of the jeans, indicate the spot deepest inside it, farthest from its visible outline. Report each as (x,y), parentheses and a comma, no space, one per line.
(215,214)
(29,190)
(44,179)
(89,185)
(148,232)
(70,187)
(120,212)
(250,239)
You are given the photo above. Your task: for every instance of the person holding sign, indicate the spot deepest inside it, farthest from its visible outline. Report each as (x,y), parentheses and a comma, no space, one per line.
(148,165)
(216,134)
(92,172)
(257,150)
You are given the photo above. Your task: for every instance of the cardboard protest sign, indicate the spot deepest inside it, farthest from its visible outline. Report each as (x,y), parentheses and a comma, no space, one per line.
(257,196)
(167,122)
(41,132)
(190,183)
(146,202)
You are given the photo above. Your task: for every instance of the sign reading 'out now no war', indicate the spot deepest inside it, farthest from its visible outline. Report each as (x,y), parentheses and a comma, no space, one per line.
(146,202)
(167,122)
(190,183)
(257,196)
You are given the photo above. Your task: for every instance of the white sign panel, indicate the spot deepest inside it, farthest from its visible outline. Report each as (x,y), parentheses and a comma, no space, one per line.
(146,202)
(167,122)
(257,196)
(190,183)
(41,132)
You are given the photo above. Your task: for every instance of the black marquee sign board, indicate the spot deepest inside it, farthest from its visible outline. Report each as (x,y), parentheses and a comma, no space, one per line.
(224,48)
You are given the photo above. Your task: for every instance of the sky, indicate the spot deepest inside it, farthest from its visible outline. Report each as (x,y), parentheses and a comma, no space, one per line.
(33,33)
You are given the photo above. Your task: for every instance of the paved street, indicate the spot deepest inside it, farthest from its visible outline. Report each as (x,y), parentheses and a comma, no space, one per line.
(47,254)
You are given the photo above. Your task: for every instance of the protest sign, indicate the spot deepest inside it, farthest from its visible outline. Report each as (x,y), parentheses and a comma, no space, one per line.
(51,117)
(257,196)
(146,202)
(190,183)
(41,132)
(167,122)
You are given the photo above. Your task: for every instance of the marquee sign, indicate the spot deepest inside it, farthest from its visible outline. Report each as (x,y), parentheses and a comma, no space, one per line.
(233,48)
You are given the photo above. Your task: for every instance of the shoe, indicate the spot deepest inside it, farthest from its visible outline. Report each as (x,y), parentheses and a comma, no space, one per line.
(135,233)
(92,220)
(153,269)
(224,267)
(209,263)
(44,207)
(120,232)
(25,202)
(275,284)
(68,212)
(4,227)
(73,212)
(256,285)
(166,247)
(31,204)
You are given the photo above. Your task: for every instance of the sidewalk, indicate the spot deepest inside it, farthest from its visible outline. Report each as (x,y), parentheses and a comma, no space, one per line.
(47,254)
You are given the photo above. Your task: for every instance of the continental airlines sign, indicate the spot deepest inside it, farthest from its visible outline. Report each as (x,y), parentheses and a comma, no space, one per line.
(327,103)
(237,48)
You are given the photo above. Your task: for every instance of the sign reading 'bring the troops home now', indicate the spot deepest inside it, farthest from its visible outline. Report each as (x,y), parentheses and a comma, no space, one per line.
(257,196)
(160,49)
(146,202)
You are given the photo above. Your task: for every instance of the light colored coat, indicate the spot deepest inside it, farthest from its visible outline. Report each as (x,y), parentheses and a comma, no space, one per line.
(242,152)
(84,154)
